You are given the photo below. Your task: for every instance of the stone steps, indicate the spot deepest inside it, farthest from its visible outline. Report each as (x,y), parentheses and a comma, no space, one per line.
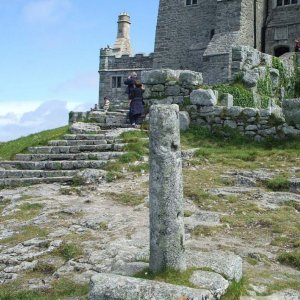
(75,149)
(61,159)
(70,156)
(14,182)
(83,136)
(77,142)
(35,173)
(53,165)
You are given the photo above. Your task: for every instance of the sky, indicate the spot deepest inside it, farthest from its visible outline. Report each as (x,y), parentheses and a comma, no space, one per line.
(49,56)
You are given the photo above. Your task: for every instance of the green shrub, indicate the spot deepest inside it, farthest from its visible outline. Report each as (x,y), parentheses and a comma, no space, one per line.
(241,95)
(279,183)
(290,258)
(235,290)
(68,251)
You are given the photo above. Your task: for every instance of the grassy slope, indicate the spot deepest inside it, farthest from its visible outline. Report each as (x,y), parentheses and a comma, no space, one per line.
(9,149)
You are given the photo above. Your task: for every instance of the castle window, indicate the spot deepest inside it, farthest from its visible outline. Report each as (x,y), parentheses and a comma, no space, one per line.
(191,2)
(116,82)
(286,2)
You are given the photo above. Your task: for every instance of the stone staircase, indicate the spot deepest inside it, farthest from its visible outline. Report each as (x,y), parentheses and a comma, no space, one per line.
(61,159)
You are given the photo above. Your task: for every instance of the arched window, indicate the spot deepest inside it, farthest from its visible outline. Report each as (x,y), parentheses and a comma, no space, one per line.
(278,51)
(212,33)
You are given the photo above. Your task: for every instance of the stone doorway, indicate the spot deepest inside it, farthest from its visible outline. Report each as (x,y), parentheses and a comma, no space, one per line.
(281,50)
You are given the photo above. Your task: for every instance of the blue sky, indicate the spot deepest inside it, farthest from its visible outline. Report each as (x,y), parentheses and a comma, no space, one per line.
(49,56)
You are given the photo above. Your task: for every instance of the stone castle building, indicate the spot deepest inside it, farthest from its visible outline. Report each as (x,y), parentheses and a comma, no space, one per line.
(199,35)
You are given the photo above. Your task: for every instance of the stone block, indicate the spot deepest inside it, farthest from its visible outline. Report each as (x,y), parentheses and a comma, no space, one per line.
(221,262)
(215,283)
(251,127)
(291,131)
(158,88)
(250,77)
(291,111)
(112,287)
(227,100)
(250,112)
(230,123)
(178,100)
(190,78)
(235,111)
(203,97)
(172,90)
(275,77)
(159,76)
(184,120)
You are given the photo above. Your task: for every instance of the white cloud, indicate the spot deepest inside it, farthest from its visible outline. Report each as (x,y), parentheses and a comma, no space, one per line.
(21,119)
(48,115)
(46,11)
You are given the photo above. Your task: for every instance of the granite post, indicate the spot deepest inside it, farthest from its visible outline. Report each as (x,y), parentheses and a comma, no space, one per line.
(165,189)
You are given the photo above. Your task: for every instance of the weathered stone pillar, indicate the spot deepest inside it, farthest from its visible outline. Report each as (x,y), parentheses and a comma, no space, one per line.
(165,188)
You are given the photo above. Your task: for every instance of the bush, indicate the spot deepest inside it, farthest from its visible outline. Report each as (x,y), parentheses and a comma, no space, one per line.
(279,183)
(68,251)
(241,95)
(290,258)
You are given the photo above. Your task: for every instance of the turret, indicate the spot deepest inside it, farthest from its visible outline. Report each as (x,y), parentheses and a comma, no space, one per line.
(122,45)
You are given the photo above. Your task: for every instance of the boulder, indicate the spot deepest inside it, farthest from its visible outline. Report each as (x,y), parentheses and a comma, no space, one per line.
(112,287)
(190,78)
(291,111)
(184,120)
(159,76)
(203,97)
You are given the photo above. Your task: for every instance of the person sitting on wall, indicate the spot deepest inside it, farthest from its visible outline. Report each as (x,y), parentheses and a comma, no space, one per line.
(130,82)
(106,103)
(136,104)
(96,107)
(297,45)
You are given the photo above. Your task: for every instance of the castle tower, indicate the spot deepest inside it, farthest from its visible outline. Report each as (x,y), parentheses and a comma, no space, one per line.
(199,34)
(122,44)
(184,29)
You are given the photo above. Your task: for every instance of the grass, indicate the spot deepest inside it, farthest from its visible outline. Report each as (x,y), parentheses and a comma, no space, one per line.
(63,288)
(127,198)
(235,290)
(235,150)
(290,258)
(206,230)
(8,150)
(68,251)
(27,232)
(279,183)
(25,211)
(169,276)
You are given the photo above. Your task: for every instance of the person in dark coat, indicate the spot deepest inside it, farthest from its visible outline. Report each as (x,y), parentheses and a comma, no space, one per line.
(136,104)
(130,82)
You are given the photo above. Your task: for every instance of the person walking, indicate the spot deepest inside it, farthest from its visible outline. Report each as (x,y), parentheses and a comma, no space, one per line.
(137,103)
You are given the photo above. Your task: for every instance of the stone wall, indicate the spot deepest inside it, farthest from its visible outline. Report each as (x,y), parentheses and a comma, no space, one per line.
(183,33)
(253,65)
(182,87)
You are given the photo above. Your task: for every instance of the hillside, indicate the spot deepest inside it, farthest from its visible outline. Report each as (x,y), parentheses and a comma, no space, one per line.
(240,196)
